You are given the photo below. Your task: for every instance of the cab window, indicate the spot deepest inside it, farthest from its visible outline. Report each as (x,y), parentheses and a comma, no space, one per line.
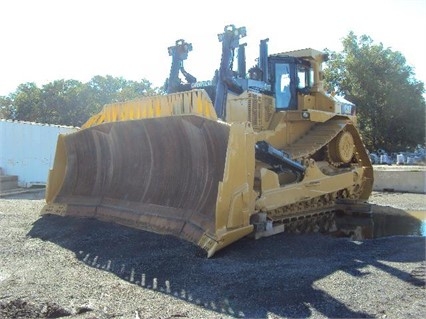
(282,85)
(305,77)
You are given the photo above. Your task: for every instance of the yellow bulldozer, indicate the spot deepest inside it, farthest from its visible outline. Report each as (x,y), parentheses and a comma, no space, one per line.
(249,153)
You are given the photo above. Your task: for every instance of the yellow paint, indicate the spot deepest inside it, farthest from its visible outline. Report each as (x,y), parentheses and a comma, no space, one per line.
(191,102)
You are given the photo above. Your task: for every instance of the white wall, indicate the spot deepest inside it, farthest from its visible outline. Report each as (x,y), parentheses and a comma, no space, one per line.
(410,179)
(28,149)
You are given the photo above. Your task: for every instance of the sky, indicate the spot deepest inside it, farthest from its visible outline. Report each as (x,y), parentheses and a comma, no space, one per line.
(47,40)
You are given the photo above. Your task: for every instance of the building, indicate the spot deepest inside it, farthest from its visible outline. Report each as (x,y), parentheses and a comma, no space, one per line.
(27,150)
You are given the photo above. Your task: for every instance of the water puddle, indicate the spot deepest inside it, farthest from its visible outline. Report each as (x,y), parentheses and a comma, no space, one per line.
(381,223)
(412,223)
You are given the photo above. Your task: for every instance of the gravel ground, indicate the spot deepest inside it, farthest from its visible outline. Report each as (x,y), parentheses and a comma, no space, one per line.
(52,267)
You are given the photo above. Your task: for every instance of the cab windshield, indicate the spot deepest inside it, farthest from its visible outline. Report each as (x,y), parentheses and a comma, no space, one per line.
(282,85)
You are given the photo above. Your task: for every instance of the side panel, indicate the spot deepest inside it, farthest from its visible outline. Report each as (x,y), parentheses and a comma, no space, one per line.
(236,198)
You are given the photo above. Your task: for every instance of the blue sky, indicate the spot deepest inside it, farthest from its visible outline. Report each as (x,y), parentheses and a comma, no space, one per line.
(48,40)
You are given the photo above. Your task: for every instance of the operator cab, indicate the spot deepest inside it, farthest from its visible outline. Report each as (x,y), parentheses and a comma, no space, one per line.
(289,76)
(286,76)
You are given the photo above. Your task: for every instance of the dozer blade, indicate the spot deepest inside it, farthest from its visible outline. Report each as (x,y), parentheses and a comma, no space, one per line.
(172,175)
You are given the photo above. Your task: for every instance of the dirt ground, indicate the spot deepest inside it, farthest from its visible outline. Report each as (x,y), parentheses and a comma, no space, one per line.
(54,267)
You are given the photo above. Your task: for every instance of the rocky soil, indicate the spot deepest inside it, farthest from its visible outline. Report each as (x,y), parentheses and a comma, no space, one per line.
(56,267)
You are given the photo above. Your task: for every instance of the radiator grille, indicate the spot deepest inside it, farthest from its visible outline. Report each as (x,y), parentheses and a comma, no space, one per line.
(260,110)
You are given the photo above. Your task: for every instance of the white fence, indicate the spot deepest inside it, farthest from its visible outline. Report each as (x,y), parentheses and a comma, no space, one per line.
(28,149)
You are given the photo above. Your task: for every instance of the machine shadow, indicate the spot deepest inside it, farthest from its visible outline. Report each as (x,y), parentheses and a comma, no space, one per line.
(251,278)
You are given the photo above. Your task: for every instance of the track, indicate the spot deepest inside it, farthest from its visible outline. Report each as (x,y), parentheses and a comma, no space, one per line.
(322,143)
(319,136)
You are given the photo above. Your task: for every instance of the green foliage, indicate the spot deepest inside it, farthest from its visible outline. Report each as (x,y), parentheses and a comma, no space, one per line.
(6,107)
(26,102)
(70,102)
(390,104)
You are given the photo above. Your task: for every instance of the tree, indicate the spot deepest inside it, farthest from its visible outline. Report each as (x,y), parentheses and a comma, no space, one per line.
(6,107)
(105,90)
(133,89)
(390,104)
(70,102)
(27,103)
(64,103)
